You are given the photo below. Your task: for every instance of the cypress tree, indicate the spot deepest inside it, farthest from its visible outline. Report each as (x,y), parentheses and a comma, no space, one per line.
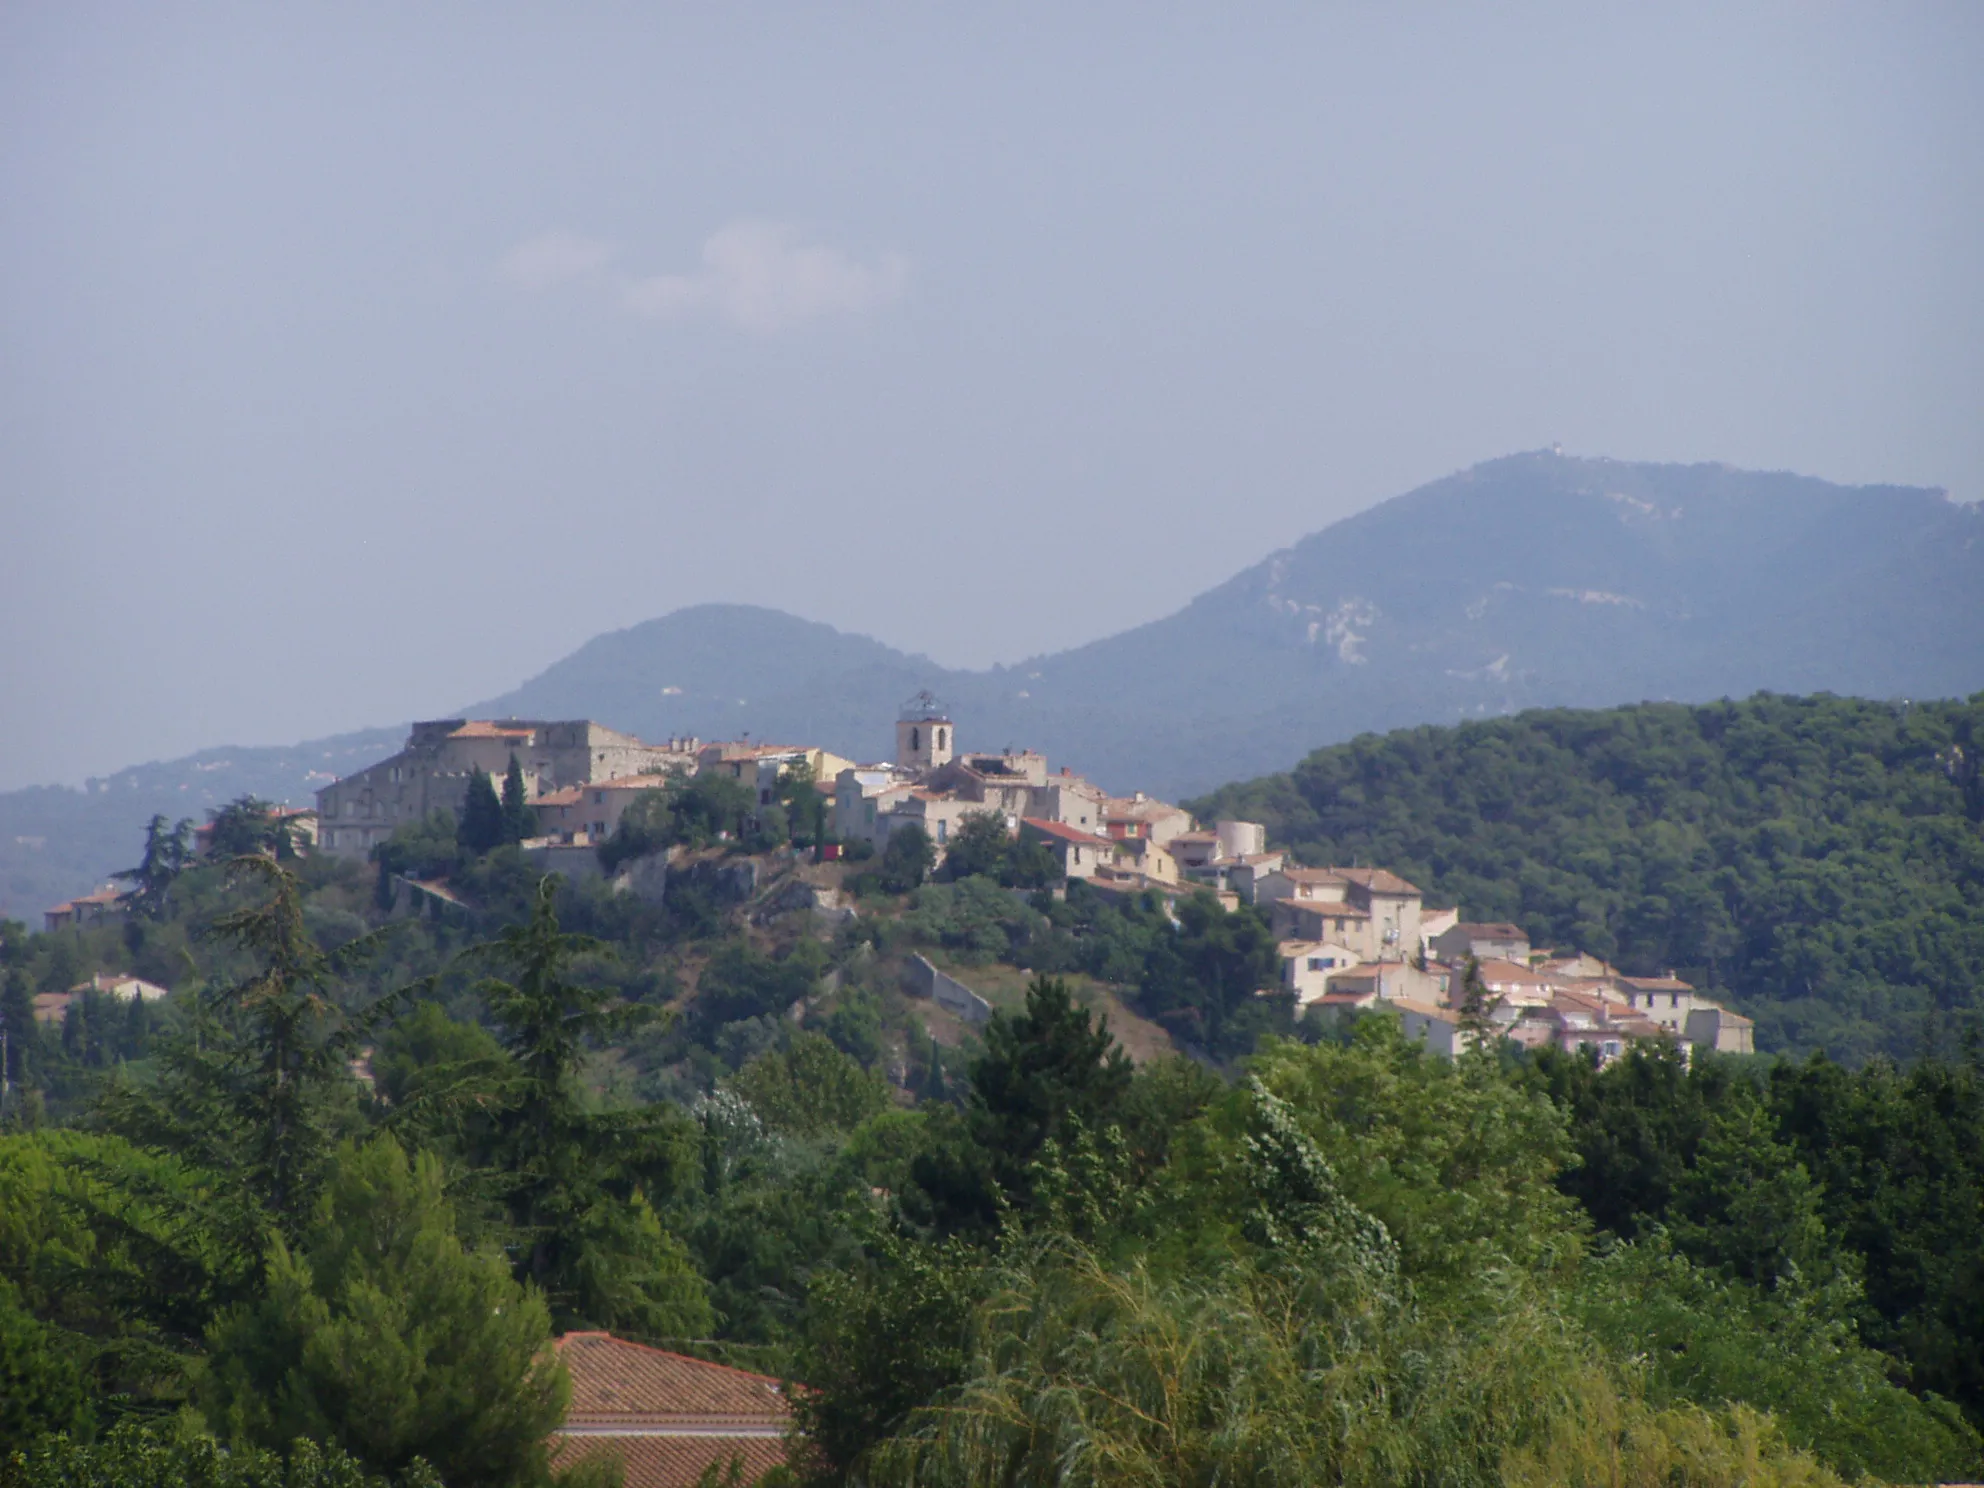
(519,821)
(17,1018)
(481,825)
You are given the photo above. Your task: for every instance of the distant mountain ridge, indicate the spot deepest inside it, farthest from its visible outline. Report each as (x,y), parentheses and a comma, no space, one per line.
(1527,581)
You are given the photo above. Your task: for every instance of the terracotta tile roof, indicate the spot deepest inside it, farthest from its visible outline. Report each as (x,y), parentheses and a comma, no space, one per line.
(618,1385)
(1490,930)
(1426,1009)
(1658,984)
(1639,1028)
(1065,832)
(1128,808)
(1580,1001)
(1493,969)
(569,796)
(673,1461)
(1313,875)
(1377,880)
(1329,909)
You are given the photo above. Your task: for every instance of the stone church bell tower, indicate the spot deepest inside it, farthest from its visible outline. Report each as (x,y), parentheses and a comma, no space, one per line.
(923,734)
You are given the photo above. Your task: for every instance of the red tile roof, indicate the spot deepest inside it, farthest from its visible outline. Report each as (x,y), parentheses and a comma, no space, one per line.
(1511,973)
(673,1461)
(1377,880)
(1329,909)
(617,1384)
(666,1418)
(1066,833)
(1491,930)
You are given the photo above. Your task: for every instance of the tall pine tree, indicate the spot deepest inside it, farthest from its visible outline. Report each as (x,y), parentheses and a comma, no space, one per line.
(17,1023)
(519,821)
(580,1186)
(481,826)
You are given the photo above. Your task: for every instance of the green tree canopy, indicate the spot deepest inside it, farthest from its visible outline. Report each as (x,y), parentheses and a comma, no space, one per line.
(578,1184)
(810,1088)
(907,859)
(382,1334)
(482,827)
(519,820)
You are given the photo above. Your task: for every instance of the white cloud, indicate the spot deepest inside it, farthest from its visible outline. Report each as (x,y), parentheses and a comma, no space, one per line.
(554,258)
(762,277)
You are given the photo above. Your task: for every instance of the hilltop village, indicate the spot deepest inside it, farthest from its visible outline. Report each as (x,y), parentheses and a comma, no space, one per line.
(1349,938)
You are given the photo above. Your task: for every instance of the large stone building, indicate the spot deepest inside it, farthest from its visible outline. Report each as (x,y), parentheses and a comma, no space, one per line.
(362,810)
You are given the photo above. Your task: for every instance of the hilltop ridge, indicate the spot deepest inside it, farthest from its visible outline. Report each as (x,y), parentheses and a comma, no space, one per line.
(1529,581)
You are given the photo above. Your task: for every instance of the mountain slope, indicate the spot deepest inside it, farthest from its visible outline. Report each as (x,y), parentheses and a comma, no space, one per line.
(1529,581)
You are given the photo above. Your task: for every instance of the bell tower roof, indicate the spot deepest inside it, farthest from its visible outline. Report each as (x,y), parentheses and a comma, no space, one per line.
(925,707)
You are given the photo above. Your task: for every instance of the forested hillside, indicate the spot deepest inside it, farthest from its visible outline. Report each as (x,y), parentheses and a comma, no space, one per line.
(1820,860)
(308,1219)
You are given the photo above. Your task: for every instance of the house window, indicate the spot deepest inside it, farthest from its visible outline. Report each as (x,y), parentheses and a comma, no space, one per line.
(943,831)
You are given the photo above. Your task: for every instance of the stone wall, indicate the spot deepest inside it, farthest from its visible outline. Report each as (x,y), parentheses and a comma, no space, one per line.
(946,991)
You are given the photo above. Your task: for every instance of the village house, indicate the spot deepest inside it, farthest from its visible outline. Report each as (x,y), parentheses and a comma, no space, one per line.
(1308,967)
(1666,1000)
(1141,818)
(1077,854)
(1374,912)
(762,768)
(100,908)
(1515,983)
(1434,1025)
(50,1006)
(1246,875)
(664,1419)
(1212,858)
(1146,859)
(591,811)
(362,810)
(1712,1027)
(1433,923)
(1496,939)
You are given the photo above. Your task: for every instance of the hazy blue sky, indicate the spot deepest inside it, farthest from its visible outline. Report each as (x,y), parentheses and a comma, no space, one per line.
(357,361)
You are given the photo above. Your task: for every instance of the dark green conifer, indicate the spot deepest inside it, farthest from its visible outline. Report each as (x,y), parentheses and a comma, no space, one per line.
(519,821)
(482,826)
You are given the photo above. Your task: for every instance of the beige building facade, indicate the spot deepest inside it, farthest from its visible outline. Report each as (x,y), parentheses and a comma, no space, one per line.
(362,810)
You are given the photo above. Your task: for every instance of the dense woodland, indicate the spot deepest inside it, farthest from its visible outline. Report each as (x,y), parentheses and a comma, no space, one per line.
(1818,860)
(310,1219)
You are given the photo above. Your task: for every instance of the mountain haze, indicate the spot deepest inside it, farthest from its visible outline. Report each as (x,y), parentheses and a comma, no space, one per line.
(1534,580)
(1528,581)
